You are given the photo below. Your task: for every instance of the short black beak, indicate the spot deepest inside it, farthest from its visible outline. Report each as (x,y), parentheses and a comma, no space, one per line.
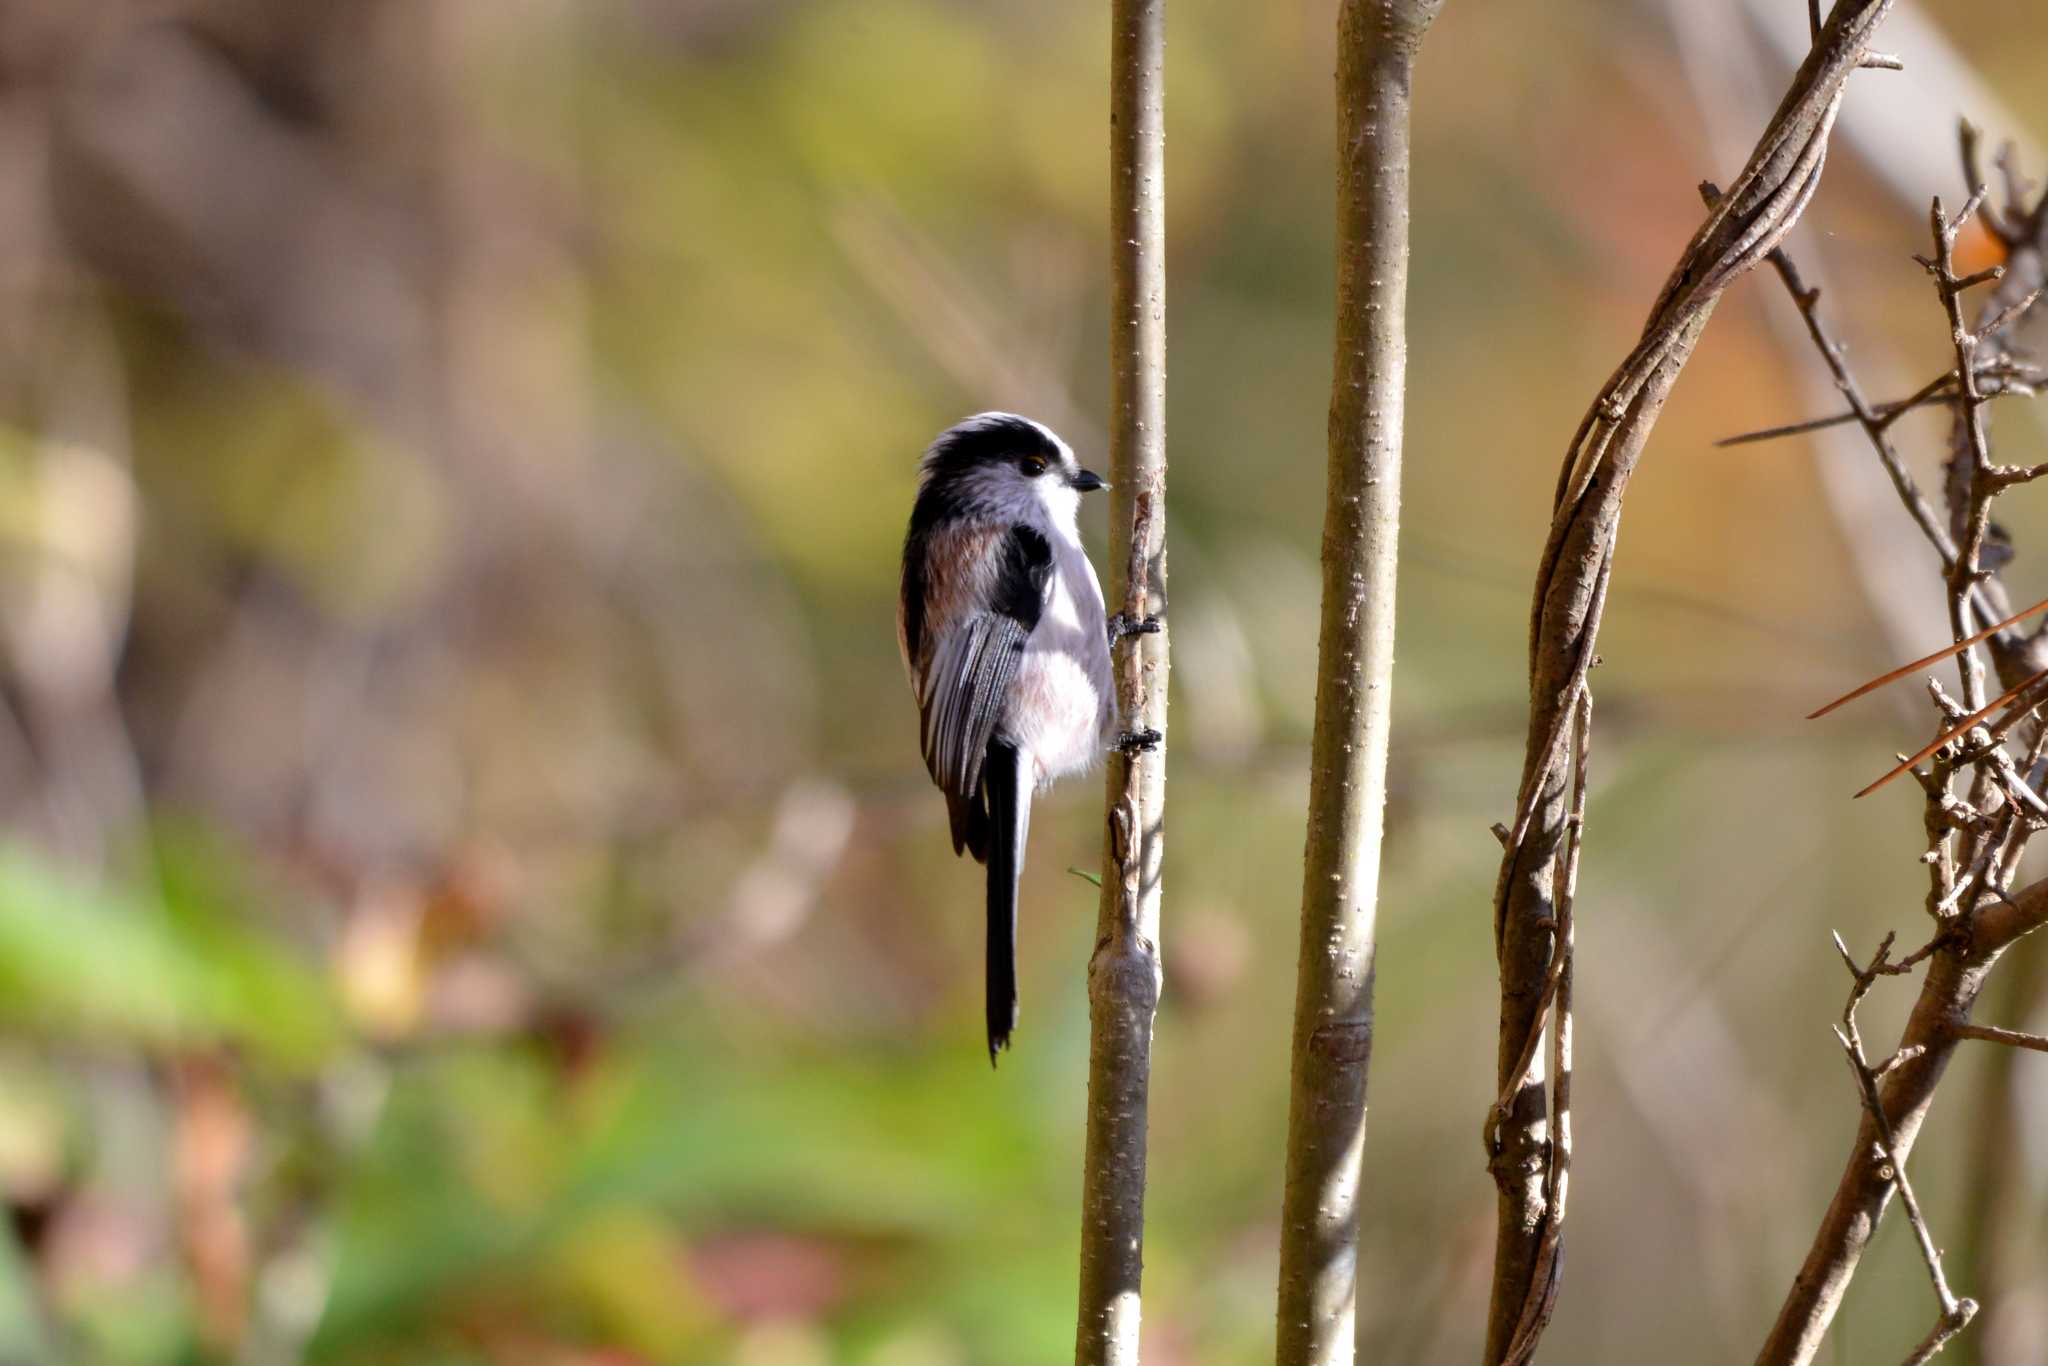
(1086,481)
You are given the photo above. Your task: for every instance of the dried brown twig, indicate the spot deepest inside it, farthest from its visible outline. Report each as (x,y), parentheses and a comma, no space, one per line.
(1531,901)
(1974,838)
(1956,969)
(2013,1037)
(1955,1313)
(2001,378)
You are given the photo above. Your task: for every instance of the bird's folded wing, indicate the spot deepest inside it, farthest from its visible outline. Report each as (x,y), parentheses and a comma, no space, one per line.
(971,676)
(974,653)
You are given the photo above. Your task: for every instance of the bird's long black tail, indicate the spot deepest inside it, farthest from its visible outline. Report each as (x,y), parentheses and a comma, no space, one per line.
(1009,811)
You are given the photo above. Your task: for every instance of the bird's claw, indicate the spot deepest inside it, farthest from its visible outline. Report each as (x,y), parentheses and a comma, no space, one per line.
(1138,741)
(1121,626)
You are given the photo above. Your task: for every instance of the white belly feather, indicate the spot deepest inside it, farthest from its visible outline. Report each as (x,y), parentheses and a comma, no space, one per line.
(1062,710)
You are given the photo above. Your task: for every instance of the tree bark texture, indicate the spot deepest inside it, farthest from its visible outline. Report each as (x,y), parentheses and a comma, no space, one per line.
(1742,226)
(1123,973)
(1332,1049)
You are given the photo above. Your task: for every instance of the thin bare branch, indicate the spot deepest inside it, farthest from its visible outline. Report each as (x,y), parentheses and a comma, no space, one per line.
(1998,321)
(2022,221)
(1124,971)
(1953,1310)
(1971,519)
(1969,141)
(1881,415)
(1956,970)
(2012,1037)
(1333,1008)
(2011,476)
(1875,424)
(1947,1327)
(1986,276)
(1997,380)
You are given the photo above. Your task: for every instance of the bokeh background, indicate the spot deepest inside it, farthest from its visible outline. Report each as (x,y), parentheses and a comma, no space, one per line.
(469,892)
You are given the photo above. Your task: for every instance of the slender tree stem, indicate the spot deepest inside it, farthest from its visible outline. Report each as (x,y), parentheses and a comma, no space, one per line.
(1123,973)
(1376,44)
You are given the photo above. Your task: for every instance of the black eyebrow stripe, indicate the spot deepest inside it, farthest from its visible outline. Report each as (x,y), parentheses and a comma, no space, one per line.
(979,440)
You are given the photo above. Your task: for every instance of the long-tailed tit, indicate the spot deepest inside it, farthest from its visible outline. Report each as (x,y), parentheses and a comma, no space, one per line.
(1004,634)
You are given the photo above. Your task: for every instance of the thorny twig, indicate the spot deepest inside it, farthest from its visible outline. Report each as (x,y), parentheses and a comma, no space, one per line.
(1973,482)
(1955,1313)
(1974,841)
(1876,422)
(1999,378)
(1975,519)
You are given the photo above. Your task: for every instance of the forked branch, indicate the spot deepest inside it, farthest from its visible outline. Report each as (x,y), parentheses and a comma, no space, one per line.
(1955,1313)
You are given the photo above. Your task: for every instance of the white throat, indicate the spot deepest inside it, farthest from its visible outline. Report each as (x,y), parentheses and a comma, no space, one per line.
(1061,507)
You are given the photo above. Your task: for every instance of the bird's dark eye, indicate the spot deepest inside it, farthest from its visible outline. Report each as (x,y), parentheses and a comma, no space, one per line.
(1034,465)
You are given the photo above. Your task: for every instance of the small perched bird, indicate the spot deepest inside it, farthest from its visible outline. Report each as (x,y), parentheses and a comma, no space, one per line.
(1003,632)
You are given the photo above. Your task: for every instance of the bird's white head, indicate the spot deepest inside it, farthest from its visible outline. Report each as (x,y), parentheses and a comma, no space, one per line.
(1006,467)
